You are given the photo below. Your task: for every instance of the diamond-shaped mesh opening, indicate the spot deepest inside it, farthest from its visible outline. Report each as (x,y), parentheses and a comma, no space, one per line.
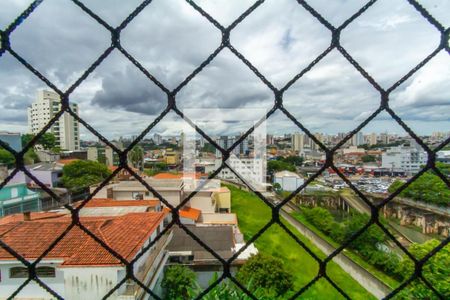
(328,274)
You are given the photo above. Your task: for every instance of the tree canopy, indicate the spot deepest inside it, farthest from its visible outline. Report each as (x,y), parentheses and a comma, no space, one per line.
(436,270)
(266,272)
(427,188)
(47,140)
(6,158)
(136,157)
(179,283)
(81,174)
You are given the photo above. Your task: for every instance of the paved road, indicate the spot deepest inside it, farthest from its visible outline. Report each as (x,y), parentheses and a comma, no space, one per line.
(361,275)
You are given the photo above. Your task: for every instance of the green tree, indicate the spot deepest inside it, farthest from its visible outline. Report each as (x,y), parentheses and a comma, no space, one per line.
(179,282)
(26,139)
(427,188)
(30,157)
(277,165)
(136,157)
(369,239)
(368,158)
(81,174)
(436,271)
(293,160)
(47,140)
(266,272)
(6,158)
(320,218)
(208,148)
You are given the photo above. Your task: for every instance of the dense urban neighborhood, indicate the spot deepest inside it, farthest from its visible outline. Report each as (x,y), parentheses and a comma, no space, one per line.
(129,210)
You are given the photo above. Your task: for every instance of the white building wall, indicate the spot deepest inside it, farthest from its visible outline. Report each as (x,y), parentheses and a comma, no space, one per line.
(289,183)
(32,290)
(90,282)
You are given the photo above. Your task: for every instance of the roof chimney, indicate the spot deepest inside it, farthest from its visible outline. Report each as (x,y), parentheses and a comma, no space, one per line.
(27,216)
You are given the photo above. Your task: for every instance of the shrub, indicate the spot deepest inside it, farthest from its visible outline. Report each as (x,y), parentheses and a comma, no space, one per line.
(179,283)
(266,272)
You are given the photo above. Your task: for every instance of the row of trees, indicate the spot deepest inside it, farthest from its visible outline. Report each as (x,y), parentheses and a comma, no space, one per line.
(427,188)
(284,163)
(367,244)
(47,141)
(436,270)
(263,275)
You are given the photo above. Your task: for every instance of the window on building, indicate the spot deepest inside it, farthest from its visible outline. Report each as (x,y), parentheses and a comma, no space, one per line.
(45,272)
(22,272)
(18,272)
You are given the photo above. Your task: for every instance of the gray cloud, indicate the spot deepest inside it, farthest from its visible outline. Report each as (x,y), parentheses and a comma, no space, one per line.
(280,38)
(130,91)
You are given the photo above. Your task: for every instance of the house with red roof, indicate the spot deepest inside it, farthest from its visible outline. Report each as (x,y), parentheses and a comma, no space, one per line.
(78,267)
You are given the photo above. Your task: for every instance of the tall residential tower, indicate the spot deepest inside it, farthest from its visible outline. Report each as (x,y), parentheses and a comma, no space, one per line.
(65,129)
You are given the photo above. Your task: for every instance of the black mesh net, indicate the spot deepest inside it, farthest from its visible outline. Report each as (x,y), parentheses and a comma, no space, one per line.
(171,94)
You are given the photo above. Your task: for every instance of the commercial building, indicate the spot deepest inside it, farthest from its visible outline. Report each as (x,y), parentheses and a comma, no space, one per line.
(443,156)
(288,181)
(408,159)
(13,139)
(252,170)
(65,129)
(78,267)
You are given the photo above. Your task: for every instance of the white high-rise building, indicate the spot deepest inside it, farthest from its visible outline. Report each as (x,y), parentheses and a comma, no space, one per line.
(66,129)
(357,139)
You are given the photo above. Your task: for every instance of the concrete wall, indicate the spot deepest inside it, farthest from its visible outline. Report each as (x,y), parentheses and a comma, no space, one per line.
(205,204)
(223,199)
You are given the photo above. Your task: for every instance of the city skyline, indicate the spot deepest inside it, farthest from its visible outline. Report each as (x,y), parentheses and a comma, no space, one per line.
(323,100)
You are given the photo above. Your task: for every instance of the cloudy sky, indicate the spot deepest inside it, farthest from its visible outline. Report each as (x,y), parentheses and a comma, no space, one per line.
(280,38)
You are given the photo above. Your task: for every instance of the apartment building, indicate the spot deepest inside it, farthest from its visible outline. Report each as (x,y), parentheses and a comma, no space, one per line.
(65,129)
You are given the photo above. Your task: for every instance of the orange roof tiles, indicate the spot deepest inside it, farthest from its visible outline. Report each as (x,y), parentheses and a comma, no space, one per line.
(124,234)
(67,161)
(168,176)
(33,216)
(108,202)
(189,213)
(179,175)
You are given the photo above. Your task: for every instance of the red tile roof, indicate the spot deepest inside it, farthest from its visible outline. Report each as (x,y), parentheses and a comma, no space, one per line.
(189,213)
(108,202)
(179,175)
(67,161)
(125,234)
(33,216)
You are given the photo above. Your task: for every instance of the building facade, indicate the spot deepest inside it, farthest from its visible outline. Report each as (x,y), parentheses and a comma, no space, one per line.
(408,159)
(78,267)
(17,198)
(66,128)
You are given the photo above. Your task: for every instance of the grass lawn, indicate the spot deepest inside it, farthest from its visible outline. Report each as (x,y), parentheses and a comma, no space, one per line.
(253,214)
